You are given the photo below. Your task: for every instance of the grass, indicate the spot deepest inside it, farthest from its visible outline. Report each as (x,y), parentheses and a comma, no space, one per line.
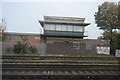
(64,63)
(66,55)
(93,61)
(11,54)
(63,60)
(89,55)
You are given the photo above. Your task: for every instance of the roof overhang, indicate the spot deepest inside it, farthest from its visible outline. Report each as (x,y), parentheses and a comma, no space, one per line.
(66,23)
(62,36)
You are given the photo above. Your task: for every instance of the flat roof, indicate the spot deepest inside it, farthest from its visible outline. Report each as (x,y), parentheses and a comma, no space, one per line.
(25,34)
(66,19)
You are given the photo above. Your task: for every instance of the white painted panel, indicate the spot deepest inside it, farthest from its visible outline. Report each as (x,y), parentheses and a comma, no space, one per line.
(103,50)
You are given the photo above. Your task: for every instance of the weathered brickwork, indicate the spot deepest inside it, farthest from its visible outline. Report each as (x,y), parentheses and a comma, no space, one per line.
(73,46)
(12,38)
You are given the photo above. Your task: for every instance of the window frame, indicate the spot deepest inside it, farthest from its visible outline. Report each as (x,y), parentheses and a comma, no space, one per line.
(89,46)
(76,45)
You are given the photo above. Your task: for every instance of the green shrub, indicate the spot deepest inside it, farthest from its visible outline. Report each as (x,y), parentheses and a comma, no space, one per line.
(32,49)
(24,48)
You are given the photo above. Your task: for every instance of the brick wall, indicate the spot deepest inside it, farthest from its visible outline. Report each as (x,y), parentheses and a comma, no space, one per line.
(12,38)
(7,47)
(60,46)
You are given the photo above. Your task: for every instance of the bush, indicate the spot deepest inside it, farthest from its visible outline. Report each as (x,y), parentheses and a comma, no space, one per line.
(32,49)
(24,48)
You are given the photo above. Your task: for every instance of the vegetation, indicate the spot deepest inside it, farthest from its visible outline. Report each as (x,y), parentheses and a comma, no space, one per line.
(2,29)
(67,55)
(65,63)
(62,61)
(107,19)
(1,32)
(115,39)
(57,60)
(13,54)
(107,16)
(24,47)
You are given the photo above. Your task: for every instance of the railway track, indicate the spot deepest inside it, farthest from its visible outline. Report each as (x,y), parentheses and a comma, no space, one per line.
(59,68)
(61,77)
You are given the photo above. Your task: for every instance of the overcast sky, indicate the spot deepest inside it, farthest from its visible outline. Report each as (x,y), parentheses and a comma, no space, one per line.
(23,16)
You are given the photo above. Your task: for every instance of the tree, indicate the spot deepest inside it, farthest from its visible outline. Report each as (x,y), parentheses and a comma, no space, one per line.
(119,15)
(2,29)
(107,19)
(115,37)
(107,16)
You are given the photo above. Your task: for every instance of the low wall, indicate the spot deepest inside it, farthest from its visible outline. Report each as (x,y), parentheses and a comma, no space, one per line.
(7,47)
(70,48)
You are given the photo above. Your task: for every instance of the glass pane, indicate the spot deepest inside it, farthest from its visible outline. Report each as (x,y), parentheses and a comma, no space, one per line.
(88,46)
(79,29)
(58,27)
(70,28)
(46,27)
(75,28)
(76,45)
(64,27)
(52,27)
(49,27)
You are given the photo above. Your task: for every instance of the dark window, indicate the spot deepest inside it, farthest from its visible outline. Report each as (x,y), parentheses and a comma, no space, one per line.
(76,45)
(88,46)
